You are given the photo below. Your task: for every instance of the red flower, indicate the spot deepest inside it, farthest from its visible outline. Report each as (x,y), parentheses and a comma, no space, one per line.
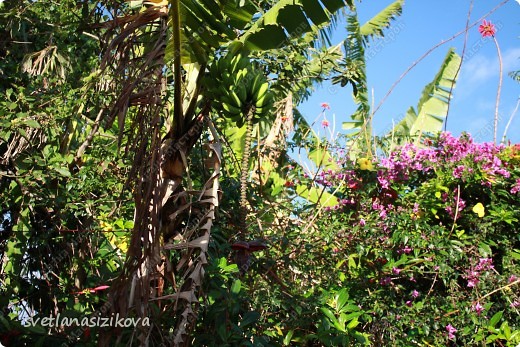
(325,105)
(325,123)
(487,29)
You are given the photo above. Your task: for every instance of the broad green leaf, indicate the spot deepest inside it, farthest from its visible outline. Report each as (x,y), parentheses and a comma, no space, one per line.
(506,330)
(62,171)
(335,5)
(494,320)
(235,287)
(353,323)
(268,31)
(351,125)
(332,318)
(268,37)
(315,11)
(288,337)
(293,20)
(322,158)
(515,254)
(328,313)
(236,138)
(341,298)
(317,196)
(376,25)
(402,129)
(484,250)
(32,123)
(433,103)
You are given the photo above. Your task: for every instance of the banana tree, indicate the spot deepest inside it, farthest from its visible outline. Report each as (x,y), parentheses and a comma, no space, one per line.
(354,70)
(432,107)
(161,278)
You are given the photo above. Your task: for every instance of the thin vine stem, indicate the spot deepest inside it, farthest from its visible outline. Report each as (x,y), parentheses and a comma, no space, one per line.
(427,53)
(499,89)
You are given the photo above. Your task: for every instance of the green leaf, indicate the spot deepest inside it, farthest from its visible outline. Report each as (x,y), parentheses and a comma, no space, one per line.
(288,337)
(506,330)
(433,104)
(328,313)
(335,5)
(494,320)
(484,250)
(320,155)
(239,16)
(235,136)
(402,129)
(353,323)
(32,123)
(235,287)
(293,20)
(62,171)
(317,196)
(351,125)
(268,31)
(315,11)
(323,159)
(376,25)
(515,254)
(268,37)
(341,298)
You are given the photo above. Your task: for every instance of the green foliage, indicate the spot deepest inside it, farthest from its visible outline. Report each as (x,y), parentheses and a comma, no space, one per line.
(433,104)
(269,31)
(376,25)
(362,250)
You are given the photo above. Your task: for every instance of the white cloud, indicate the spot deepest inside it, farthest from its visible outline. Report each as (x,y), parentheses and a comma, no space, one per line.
(479,69)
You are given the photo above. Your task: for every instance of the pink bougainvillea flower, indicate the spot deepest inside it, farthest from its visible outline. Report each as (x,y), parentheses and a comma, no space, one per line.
(516,187)
(487,29)
(325,123)
(472,282)
(405,250)
(478,308)
(325,105)
(451,331)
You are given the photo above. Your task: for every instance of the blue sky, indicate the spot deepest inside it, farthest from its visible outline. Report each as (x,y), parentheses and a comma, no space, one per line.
(423,25)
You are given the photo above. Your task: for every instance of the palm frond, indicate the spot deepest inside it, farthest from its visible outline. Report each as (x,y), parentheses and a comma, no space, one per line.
(433,104)
(288,19)
(377,24)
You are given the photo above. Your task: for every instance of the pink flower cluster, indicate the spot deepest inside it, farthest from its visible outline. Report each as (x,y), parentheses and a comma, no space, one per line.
(473,274)
(451,331)
(478,308)
(330,178)
(459,155)
(458,204)
(516,187)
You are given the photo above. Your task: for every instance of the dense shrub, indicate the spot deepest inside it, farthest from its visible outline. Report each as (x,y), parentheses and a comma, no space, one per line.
(427,243)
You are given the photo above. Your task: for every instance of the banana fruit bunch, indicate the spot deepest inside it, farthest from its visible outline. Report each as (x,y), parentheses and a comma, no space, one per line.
(239,89)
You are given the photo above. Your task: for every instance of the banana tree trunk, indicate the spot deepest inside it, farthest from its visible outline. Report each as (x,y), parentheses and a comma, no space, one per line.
(164,210)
